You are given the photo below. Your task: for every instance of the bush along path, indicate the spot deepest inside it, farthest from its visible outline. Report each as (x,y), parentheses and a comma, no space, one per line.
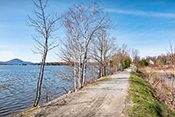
(143,100)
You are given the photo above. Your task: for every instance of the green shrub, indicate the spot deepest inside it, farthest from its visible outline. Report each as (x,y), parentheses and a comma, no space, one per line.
(126,62)
(143,62)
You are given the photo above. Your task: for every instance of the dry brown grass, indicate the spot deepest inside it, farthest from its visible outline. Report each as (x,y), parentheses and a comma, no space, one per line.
(164,87)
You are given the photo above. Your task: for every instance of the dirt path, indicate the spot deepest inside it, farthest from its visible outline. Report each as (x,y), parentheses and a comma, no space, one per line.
(104,99)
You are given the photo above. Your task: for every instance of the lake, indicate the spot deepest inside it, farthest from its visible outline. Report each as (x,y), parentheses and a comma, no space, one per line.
(18,86)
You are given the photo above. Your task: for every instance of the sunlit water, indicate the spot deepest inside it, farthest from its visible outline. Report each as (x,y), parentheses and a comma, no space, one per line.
(18,86)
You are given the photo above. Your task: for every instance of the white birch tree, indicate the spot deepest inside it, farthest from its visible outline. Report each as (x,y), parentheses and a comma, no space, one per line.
(44,25)
(82,24)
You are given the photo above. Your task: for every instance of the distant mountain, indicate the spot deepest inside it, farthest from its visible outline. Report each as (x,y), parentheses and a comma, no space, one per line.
(15,61)
(1,63)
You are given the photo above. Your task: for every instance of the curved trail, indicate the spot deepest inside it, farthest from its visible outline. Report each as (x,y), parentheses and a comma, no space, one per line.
(104,99)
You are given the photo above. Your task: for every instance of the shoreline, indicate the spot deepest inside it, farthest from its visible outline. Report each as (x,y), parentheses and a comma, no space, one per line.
(59,100)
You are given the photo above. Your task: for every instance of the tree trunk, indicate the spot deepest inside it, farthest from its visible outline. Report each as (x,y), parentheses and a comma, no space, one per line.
(75,79)
(84,76)
(104,70)
(40,79)
(99,74)
(83,70)
(79,73)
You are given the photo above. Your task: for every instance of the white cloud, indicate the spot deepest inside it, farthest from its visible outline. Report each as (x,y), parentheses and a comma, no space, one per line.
(142,13)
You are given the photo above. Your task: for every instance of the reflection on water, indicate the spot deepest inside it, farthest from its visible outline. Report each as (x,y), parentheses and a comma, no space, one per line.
(18,86)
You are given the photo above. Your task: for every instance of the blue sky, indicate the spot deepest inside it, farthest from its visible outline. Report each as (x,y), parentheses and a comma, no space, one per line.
(146,25)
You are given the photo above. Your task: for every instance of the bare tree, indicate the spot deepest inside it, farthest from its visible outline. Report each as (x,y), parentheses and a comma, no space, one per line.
(71,52)
(135,53)
(103,49)
(44,25)
(135,58)
(120,56)
(123,52)
(82,24)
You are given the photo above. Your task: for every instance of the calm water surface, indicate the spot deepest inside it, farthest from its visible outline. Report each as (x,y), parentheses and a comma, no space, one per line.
(18,86)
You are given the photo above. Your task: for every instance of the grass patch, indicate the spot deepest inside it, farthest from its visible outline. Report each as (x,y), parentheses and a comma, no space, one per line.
(144,102)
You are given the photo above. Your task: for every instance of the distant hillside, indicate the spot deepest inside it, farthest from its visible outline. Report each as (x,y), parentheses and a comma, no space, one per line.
(15,61)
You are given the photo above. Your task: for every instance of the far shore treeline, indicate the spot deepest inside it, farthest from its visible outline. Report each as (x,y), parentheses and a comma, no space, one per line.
(20,62)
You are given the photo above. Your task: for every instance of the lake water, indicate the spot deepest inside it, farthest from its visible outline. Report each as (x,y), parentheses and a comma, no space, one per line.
(18,86)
